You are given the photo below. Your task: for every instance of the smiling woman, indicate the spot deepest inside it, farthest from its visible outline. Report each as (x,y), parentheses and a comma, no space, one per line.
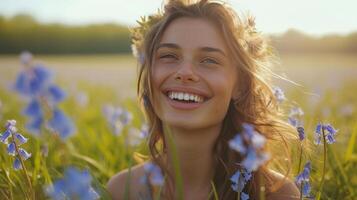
(203,80)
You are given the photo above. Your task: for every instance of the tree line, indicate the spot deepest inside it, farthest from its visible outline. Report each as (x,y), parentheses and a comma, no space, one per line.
(23,32)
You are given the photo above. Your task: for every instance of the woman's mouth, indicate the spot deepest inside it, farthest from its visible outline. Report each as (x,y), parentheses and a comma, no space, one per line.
(185,97)
(184,100)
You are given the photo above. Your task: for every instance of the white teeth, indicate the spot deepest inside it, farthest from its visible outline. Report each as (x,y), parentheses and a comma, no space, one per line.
(185,96)
(180,96)
(192,97)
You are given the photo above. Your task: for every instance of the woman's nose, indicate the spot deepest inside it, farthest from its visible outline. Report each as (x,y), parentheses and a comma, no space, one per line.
(186,73)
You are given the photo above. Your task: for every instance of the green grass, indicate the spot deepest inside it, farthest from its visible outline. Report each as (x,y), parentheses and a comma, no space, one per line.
(94,147)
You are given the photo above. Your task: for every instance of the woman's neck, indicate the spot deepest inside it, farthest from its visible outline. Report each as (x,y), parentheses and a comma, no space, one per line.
(195,156)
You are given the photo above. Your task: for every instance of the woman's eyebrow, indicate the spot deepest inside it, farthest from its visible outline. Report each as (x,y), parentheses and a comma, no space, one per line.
(211,49)
(168,45)
(206,49)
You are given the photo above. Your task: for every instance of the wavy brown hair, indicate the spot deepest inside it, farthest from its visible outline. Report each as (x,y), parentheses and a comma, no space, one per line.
(255,105)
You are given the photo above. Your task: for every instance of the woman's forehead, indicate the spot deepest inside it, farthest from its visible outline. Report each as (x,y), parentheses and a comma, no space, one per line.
(193,33)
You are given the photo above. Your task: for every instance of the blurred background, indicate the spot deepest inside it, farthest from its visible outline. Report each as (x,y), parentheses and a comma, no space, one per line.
(86,43)
(88,40)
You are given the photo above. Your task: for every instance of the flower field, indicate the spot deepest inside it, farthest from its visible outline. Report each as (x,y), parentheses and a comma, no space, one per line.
(75,122)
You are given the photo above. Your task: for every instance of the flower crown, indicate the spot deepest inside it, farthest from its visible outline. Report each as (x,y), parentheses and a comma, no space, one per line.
(252,41)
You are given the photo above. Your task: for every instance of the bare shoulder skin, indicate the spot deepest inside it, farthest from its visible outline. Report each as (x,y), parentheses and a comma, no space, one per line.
(127,184)
(287,191)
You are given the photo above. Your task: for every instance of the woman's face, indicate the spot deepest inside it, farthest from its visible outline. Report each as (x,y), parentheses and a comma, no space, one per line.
(193,78)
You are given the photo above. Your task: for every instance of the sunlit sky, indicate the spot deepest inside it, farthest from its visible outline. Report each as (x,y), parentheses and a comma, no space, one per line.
(317,17)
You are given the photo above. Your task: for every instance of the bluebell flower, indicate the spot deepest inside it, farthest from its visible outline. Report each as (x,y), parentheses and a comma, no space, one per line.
(55,94)
(10,129)
(244,196)
(17,140)
(17,164)
(304,175)
(20,139)
(152,174)
(301,132)
(11,149)
(249,143)
(33,109)
(117,118)
(34,126)
(36,83)
(294,117)
(306,189)
(61,124)
(327,130)
(240,179)
(24,154)
(33,81)
(144,131)
(237,144)
(279,94)
(304,178)
(253,159)
(74,185)
(4,137)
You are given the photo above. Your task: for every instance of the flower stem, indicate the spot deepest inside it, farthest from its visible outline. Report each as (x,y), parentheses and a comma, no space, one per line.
(32,196)
(300,159)
(324,167)
(301,185)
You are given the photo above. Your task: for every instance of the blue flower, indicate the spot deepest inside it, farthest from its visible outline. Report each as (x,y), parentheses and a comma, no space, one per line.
(301,132)
(36,83)
(34,125)
(11,149)
(74,185)
(253,159)
(304,178)
(294,117)
(17,164)
(306,189)
(23,153)
(17,140)
(33,81)
(327,130)
(153,174)
(55,94)
(279,94)
(237,144)
(117,118)
(249,143)
(33,109)
(4,137)
(240,179)
(61,124)
(304,175)
(10,129)
(144,131)
(244,196)
(20,139)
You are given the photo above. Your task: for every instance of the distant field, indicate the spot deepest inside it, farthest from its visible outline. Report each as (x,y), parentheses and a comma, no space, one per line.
(314,72)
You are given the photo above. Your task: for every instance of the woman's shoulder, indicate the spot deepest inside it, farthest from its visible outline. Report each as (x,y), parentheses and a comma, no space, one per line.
(127,184)
(286,189)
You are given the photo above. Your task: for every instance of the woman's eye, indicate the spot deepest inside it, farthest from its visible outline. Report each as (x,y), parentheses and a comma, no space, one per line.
(209,61)
(168,56)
